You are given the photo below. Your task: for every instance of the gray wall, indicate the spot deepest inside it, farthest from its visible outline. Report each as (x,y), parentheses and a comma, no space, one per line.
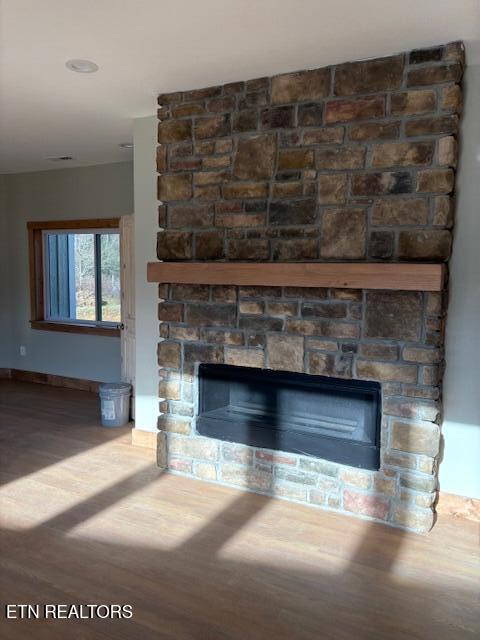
(460,469)
(5,320)
(89,192)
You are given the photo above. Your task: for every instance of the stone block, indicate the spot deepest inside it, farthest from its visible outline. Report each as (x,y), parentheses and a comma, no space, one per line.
(378,351)
(170,389)
(301,86)
(277,118)
(218,336)
(190,292)
(418,482)
(239,453)
(224,293)
(310,115)
(161,159)
(174,131)
(413,408)
(190,215)
(240,190)
(285,353)
(287,189)
(443,207)
(374,506)
(185,164)
(435,74)
(416,438)
(316,497)
(170,312)
(275,457)
(174,187)
(398,154)
(174,245)
(295,250)
(394,314)
(386,371)
(205,471)
(356,478)
(399,211)
(245,120)
(325,328)
(330,309)
(374,131)
(188,110)
(338,158)
(251,249)
(422,355)
(382,74)
(452,98)
(209,245)
(410,103)
(175,424)
(243,357)
(332,188)
(254,479)
(212,127)
(386,183)
(199,314)
(434,125)
(295,159)
(290,491)
(324,135)
(314,465)
(432,245)
(411,518)
(447,151)
(293,212)
(255,157)
(169,355)
(354,109)
(343,233)
(381,244)
(294,475)
(210,177)
(282,309)
(183,333)
(196,448)
(251,307)
(180,465)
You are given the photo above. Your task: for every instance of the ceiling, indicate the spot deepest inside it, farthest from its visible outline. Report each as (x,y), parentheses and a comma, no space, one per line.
(144,47)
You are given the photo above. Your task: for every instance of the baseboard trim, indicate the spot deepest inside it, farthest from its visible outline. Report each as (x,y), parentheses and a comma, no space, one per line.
(146,439)
(53,380)
(458,506)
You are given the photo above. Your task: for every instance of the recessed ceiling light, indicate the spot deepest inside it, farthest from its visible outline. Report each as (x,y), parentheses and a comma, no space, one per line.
(81,66)
(126,145)
(59,158)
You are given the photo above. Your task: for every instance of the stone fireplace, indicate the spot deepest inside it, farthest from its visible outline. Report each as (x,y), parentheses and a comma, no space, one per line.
(347,163)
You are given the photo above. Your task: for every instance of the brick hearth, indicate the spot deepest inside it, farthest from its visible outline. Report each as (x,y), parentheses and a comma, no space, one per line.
(354,162)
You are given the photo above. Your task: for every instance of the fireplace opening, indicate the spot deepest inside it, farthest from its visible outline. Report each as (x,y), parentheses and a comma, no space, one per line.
(328,418)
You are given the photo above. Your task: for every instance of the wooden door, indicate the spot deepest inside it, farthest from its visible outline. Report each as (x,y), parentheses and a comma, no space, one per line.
(128,300)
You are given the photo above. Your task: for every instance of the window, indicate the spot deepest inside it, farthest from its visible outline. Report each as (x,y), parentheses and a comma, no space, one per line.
(75,276)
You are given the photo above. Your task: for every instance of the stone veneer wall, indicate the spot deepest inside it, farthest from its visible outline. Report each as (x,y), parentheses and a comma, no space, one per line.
(353,162)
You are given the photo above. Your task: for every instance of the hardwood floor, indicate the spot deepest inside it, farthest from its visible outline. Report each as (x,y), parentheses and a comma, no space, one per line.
(87,518)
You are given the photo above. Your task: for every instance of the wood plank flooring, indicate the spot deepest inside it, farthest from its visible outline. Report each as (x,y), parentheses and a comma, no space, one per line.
(87,518)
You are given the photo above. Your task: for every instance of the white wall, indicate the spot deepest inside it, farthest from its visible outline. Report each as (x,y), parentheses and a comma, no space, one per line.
(99,191)
(146,294)
(460,469)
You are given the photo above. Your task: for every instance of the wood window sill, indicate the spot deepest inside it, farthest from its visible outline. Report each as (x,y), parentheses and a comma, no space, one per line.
(44,325)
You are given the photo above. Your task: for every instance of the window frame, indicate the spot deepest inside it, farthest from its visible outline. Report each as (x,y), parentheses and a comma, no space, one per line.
(38,295)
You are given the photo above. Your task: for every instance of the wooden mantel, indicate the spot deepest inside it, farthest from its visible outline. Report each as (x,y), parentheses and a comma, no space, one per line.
(347,275)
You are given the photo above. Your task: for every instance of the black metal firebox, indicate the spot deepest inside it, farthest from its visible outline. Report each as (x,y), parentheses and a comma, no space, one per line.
(329,418)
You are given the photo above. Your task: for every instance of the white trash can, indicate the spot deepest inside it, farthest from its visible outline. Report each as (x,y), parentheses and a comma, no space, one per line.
(115,403)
